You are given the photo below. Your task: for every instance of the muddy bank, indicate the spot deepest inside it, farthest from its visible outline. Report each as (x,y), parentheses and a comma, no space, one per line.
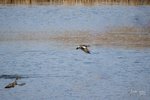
(130,37)
(124,36)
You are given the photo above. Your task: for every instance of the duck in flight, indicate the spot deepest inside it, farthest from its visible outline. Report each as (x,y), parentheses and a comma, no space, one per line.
(84,48)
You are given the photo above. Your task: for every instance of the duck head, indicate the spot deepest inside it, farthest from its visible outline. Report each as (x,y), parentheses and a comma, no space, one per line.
(78,47)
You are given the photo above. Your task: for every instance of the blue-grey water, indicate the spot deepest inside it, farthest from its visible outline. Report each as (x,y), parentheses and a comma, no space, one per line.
(56,72)
(54,19)
(53,70)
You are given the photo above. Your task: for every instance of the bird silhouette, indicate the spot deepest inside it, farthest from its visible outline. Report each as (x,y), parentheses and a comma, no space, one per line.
(12,85)
(84,48)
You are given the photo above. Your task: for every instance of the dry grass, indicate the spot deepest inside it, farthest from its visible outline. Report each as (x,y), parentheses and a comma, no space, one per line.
(73,2)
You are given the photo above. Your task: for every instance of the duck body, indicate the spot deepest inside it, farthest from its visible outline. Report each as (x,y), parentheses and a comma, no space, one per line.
(11,85)
(84,48)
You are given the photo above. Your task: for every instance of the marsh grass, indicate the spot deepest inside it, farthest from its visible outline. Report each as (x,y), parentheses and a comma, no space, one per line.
(74,2)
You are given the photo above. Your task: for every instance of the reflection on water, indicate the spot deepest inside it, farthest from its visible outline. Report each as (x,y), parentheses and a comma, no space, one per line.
(13,76)
(73,2)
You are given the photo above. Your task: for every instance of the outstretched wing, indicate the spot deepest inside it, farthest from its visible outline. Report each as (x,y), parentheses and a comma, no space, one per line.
(86,50)
(85,45)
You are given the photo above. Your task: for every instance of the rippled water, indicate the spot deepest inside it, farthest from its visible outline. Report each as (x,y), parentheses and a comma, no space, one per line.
(55,70)
(56,19)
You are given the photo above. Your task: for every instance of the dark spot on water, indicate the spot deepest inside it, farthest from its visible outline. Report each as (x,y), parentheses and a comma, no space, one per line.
(77,59)
(88,62)
(120,57)
(136,19)
(11,76)
(95,53)
(94,12)
(136,62)
(33,51)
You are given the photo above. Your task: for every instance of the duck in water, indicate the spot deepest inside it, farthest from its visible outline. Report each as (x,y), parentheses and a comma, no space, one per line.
(13,84)
(84,48)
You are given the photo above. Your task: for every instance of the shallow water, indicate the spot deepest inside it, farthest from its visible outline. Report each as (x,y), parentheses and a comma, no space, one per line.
(54,69)
(57,19)
(57,72)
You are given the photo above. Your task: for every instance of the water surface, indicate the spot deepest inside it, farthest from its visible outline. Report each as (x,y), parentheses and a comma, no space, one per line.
(38,44)
(53,71)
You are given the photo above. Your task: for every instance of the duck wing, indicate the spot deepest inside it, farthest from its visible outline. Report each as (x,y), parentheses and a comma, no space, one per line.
(85,45)
(10,85)
(86,50)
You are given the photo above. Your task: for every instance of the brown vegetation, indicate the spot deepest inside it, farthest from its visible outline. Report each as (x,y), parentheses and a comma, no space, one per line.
(130,37)
(73,2)
(125,36)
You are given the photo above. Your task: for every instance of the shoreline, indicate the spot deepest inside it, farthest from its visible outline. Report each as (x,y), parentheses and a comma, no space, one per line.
(75,2)
(128,37)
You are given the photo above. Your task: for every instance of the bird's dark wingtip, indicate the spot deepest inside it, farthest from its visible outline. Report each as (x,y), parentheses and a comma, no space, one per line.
(88,52)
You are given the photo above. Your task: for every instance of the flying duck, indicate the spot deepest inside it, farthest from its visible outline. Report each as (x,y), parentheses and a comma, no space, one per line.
(84,48)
